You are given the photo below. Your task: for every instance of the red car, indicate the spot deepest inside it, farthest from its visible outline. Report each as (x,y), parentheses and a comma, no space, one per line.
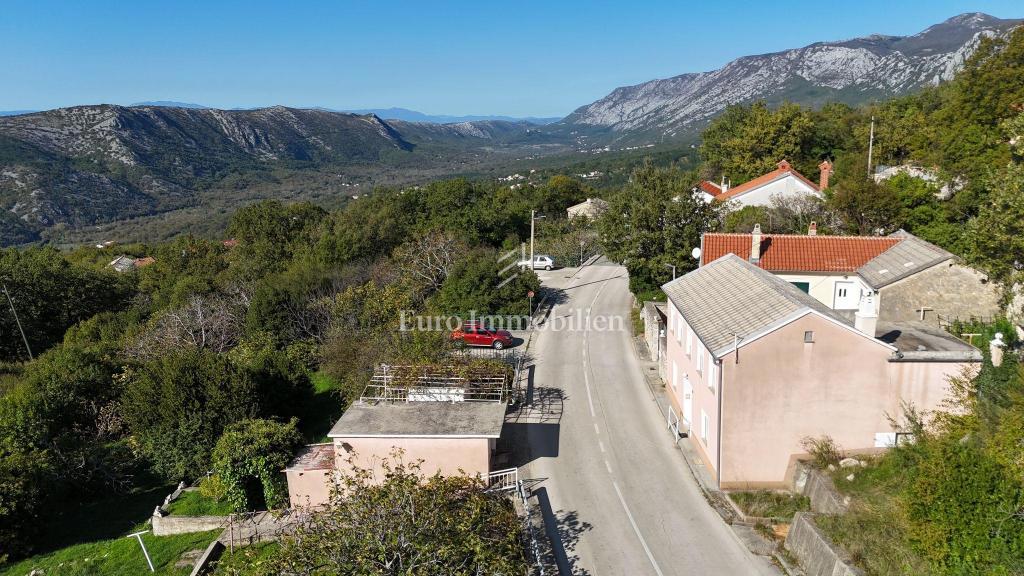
(476,334)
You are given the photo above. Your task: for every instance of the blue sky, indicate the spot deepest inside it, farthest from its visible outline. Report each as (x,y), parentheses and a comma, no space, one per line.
(474,57)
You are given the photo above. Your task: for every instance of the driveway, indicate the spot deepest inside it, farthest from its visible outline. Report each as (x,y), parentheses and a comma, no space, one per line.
(616,495)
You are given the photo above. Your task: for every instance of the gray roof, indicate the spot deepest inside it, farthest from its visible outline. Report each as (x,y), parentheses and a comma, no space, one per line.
(731,295)
(388,419)
(920,342)
(906,258)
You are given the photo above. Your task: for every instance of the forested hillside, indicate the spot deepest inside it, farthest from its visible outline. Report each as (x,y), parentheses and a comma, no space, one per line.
(137,374)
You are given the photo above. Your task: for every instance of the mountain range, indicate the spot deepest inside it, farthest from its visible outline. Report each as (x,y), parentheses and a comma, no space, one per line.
(86,165)
(851,71)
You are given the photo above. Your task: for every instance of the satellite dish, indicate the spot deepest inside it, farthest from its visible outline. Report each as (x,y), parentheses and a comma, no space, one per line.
(695,253)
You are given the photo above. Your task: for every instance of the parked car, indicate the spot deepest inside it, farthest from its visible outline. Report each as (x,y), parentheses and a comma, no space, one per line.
(540,262)
(476,334)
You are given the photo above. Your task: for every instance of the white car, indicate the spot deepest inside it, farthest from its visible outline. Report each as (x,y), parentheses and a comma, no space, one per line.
(540,262)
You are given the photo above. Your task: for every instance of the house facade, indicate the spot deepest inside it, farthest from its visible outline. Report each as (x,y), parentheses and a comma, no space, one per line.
(754,365)
(785,182)
(907,278)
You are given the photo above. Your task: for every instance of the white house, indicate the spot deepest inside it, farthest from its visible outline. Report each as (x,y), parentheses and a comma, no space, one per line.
(783,182)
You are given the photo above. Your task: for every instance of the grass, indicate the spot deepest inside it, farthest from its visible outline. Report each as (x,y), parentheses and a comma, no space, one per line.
(116,556)
(874,529)
(323,408)
(769,504)
(246,560)
(89,539)
(192,503)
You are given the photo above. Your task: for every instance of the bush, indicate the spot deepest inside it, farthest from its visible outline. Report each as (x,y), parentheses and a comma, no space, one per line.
(823,450)
(256,450)
(213,487)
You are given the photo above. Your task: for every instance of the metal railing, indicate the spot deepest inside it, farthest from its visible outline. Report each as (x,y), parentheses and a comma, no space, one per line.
(506,479)
(533,544)
(435,384)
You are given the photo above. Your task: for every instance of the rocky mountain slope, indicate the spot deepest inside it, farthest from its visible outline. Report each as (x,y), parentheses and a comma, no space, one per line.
(89,164)
(851,71)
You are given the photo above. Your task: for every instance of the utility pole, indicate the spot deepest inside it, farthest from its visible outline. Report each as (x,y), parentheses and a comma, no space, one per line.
(871,145)
(10,302)
(533,218)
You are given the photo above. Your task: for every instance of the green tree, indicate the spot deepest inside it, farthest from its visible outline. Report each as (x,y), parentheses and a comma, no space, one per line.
(656,221)
(401,523)
(996,235)
(256,450)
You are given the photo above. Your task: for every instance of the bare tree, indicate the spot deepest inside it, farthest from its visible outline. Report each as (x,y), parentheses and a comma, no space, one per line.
(205,322)
(429,258)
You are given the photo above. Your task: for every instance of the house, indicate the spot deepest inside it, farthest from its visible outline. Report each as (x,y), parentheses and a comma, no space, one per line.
(122,263)
(755,365)
(448,421)
(908,278)
(591,209)
(143,262)
(783,182)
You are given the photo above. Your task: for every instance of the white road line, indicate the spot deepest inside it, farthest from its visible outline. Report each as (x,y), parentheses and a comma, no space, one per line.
(596,429)
(600,445)
(608,467)
(636,530)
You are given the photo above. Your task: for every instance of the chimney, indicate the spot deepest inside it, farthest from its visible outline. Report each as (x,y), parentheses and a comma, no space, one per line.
(825,169)
(812,230)
(725,184)
(755,244)
(866,319)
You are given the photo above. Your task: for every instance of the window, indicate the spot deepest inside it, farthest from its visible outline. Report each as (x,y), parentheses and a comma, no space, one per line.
(805,286)
(712,379)
(675,374)
(679,329)
(809,336)
(705,424)
(700,358)
(689,341)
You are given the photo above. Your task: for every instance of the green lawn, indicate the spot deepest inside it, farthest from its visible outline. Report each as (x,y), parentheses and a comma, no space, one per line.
(192,503)
(769,504)
(89,540)
(246,560)
(322,410)
(116,556)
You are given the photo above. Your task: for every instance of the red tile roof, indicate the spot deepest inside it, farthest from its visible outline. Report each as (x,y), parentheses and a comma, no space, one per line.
(783,169)
(143,262)
(798,253)
(710,187)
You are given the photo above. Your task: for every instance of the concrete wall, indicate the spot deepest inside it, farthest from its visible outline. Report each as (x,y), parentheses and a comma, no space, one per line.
(449,456)
(817,555)
(823,495)
(168,525)
(309,487)
(823,286)
(947,288)
(781,390)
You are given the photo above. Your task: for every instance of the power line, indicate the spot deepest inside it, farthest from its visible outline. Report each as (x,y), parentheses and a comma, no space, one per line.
(17,321)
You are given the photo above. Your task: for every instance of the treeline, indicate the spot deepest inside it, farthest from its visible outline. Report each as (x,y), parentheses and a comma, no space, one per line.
(138,375)
(969,133)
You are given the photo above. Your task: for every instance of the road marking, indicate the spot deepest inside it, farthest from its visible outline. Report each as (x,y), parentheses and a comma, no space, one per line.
(636,530)
(600,445)
(608,466)
(596,429)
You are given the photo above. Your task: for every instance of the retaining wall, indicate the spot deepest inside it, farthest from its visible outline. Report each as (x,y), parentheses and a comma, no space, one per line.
(168,525)
(817,555)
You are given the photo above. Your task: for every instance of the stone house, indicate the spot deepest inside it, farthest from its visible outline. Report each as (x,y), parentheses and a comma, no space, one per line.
(907,278)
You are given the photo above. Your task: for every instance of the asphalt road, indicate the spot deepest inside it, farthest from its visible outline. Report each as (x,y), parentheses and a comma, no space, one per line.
(615,493)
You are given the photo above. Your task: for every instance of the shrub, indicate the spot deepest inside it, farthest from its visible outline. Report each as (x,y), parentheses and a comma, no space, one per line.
(823,450)
(256,450)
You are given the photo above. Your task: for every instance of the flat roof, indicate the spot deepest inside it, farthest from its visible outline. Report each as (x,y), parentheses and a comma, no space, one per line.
(313,457)
(421,419)
(925,343)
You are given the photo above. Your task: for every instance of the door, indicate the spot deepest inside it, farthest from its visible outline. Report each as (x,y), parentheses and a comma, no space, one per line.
(847,296)
(687,400)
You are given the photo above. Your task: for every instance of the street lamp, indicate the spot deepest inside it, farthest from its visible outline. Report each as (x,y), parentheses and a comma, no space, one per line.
(673,267)
(533,218)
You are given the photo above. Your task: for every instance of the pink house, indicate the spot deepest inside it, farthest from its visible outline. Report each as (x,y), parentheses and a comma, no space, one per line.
(754,365)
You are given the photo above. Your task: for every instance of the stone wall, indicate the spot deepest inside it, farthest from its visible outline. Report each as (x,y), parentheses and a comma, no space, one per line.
(948,288)
(817,555)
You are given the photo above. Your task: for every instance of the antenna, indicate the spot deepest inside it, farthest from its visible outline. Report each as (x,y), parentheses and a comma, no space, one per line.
(16,320)
(871,144)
